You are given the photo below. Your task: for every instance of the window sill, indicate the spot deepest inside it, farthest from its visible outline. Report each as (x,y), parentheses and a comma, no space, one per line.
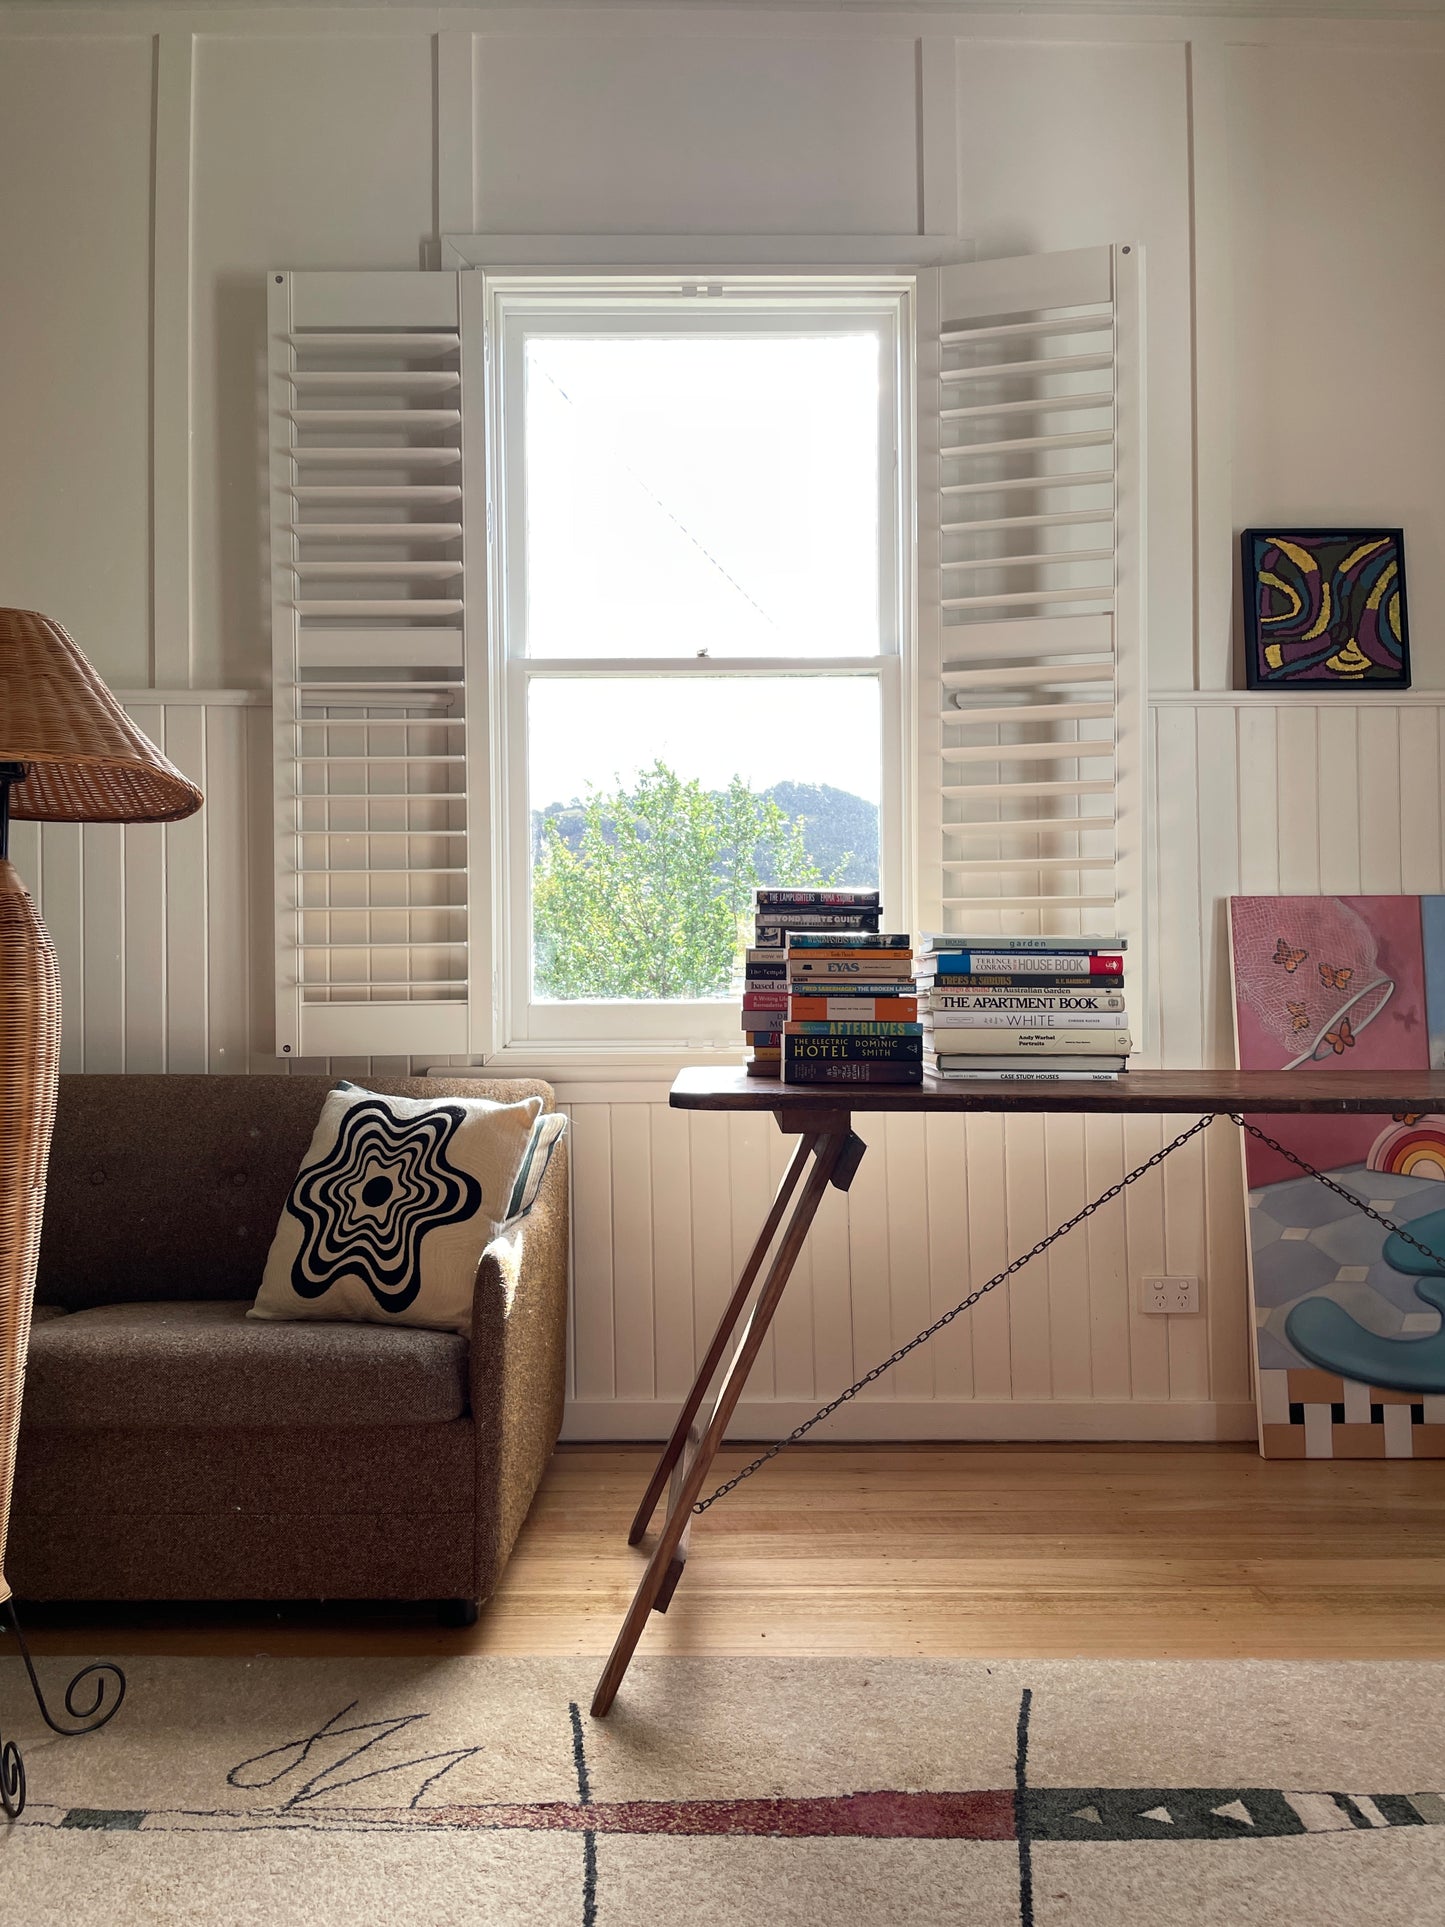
(596,1073)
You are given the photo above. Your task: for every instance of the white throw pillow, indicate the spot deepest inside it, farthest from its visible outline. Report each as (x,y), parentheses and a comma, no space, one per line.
(547,1133)
(394,1204)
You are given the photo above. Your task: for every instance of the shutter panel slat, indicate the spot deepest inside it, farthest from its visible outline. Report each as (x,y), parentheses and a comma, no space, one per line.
(403,493)
(371,687)
(1004,484)
(415,532)
(1034,373)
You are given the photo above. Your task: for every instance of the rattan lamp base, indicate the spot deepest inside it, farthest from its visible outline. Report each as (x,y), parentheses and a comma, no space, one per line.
(29,1068)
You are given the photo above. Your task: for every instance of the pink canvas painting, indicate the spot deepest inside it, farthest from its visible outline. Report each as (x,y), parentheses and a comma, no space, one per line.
(1350,1353)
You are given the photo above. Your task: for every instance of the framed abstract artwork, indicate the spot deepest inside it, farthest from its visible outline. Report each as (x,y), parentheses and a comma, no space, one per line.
(1325,608)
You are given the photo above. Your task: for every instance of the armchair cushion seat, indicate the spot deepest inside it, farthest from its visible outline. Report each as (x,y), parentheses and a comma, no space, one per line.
(204,1363)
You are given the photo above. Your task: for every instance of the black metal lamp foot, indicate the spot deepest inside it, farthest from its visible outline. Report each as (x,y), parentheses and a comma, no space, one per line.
(84,1719)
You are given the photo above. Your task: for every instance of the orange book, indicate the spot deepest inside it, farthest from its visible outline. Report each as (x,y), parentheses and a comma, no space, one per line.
(862,1010)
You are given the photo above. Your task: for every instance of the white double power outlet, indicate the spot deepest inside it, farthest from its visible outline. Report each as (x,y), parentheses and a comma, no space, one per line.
(1168,1295)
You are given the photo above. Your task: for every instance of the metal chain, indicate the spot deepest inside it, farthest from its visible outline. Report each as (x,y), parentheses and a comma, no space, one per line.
(1105,1197)
(966,1304)
(1367,1210)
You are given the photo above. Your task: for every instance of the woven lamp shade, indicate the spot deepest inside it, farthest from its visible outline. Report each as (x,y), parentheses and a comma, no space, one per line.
(85,760)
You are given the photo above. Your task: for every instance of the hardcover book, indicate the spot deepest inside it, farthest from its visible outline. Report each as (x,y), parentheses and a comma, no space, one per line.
(1002,980)
(872,966)
(777,936)
(851,1071)
(1112,1022)
(842,939)
(895,989)
(951,1061)
(843,1029)
(1100,945)
(873,1008)
(1032,1043)
(1042,963)
(806,1049)
(1045,1002)
(1033,1076)
(816,899)
(860,920)
(888,960)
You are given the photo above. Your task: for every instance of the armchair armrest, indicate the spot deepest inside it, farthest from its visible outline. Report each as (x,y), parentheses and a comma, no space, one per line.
(518,1365)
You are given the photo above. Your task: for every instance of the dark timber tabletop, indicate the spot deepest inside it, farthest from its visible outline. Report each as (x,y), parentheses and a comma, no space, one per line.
(700,1088)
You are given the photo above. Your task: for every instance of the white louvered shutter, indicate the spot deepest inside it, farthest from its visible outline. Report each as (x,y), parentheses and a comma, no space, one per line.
(1031,523)
(376,568)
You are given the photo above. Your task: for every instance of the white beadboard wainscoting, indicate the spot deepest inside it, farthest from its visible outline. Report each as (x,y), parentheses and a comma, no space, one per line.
(165,952)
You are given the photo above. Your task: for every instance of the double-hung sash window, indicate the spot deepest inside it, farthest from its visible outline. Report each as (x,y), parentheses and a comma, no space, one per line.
(700,607)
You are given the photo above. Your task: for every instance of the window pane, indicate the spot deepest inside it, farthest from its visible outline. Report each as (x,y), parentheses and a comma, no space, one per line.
(659,804)
(688,494)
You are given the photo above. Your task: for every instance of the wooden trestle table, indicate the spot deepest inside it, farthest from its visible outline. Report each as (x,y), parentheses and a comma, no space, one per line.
(829,1153)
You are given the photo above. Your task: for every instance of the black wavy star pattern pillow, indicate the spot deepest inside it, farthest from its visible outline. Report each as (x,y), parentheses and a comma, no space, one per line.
(395,1201)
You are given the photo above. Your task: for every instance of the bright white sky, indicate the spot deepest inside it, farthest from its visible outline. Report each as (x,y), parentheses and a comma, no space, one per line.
(819,729)
(690,493)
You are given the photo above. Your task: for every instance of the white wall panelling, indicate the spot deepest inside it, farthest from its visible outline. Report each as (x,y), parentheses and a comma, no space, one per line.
(172,402)
(164,943)
(158,160)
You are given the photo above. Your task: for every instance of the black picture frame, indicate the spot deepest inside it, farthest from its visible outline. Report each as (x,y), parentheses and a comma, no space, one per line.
(1310,668)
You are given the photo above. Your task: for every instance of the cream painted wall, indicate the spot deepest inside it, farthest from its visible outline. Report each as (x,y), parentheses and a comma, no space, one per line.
(75,194)
(308,153)
(672,131)
(1296,258)
(1337,226)
(1065,146)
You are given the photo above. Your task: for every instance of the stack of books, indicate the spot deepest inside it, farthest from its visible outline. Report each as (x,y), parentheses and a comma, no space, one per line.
(852,1013)
(1024,1009)
(765,978)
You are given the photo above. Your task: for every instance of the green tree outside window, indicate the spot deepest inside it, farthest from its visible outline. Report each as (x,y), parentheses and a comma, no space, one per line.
(649,891)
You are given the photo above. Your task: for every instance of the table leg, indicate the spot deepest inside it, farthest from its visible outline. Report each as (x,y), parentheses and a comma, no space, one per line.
(692,1405)
(835,1155)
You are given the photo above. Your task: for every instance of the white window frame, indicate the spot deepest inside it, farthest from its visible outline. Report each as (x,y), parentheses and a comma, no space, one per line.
(511,299)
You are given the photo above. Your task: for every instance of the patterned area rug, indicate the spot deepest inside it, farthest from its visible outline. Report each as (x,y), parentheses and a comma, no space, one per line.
(751,1793)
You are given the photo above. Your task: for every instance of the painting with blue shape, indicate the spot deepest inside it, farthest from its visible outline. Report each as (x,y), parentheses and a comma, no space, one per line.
(1349,1339)
(1432,932)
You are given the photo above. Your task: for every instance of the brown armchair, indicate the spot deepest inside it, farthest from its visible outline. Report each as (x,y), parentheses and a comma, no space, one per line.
(170,1448)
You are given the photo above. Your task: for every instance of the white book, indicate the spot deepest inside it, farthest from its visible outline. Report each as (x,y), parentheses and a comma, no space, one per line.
(1054,1004)
(948,940)
(1028,1019)
(1032,1076)
(1043,1060)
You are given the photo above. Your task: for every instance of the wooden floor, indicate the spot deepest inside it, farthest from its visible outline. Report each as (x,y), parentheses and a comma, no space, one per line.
(1125,1552)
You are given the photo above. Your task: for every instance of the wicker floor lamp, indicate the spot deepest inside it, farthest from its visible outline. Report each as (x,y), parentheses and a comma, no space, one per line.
(68,754)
